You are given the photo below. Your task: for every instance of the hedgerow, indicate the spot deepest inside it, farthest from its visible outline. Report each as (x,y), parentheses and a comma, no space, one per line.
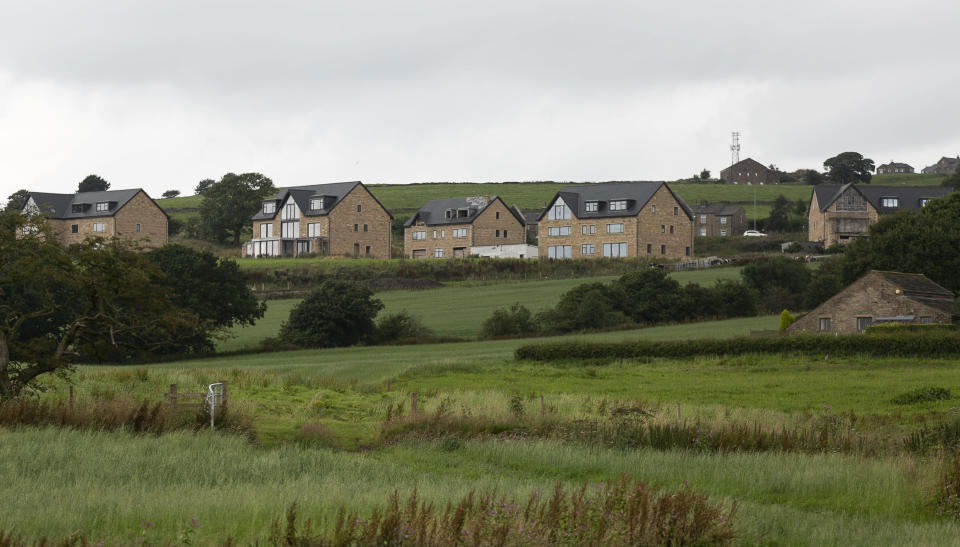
(887,345)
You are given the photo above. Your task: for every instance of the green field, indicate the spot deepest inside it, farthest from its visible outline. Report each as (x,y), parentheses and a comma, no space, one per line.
(458,310)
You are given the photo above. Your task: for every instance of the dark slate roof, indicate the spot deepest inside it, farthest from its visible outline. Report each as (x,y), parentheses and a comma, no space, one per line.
(718,209)
(921,289)
(893,165)
(60,206)
(748,163)
(433,212)
(334,192)
(909,196)
(532,217)
(637,195)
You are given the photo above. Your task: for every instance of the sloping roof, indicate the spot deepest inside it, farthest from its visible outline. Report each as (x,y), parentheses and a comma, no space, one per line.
(637,194)
(894,165)
(908,196)
(921,289)
(61,206)
(335,192)
(433,212)
(748,163)
(718,209)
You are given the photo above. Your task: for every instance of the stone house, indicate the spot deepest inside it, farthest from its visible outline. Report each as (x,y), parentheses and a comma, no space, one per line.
(124,214)
(839,213)
(640,219)
(894,167)
(448,228)
(946,166)
(879,297)
(336,219)
(749,171)
(719,219)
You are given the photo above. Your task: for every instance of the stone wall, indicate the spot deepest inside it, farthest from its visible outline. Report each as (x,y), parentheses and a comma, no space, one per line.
(357,210)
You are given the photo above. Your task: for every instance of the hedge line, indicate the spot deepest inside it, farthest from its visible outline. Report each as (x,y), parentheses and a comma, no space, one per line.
(887,345)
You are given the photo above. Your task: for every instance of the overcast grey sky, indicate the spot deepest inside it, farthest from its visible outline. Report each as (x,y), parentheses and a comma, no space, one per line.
(162,94)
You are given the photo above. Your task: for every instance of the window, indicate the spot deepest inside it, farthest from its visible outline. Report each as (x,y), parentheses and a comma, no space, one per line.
(76,208)
(449,213)
(558,251)
(498,215)
(75,228)
(686,251)
(926,319)
(303,247)
(591,206)
(676,211)
(138,228)
(924,202)
(359,208)
(852,225)
(459,232)
(367,251)
(723,233)
(498,234)
(103,206)
(99,227)
(588,229)
(555,231)
(442,233)
(663,228)
(663,249)
(824,324)
(671,228)
(313,229)
(434,234)
(618,205)
(703,231)
(614,249)
(653,209)
(356,227)
(504,234)
(356,249)
(587,249)
(723,221)
(290,212)
(266,230)
(419,253)
(269,208)
(891,203)
(419,235)
(459,252)
(316,203)
(614,228)
(438,253)
(863,323)
(559,211)
(364,227)
(649,248)
(290,229)
(851,200)
(703,219)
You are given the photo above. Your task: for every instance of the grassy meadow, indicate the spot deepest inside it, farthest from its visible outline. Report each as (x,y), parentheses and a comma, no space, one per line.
(459,309)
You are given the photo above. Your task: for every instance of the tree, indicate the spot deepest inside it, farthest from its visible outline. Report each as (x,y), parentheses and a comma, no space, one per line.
(229,204)
(512,321)
(213,288)
(849,167)
(648,296)
(810,176)
(586,306)
(779,219)
(170,194)
(926,241)
(54,300)
(17,200)
(705,174)
(953,180)
(779,282)
(93,183)
(338,313)
(203,186)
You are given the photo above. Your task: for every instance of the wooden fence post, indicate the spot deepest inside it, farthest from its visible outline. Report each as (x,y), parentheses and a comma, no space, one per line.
(173,396)
(71,398)
(542,409)
(413,403)
(678,412)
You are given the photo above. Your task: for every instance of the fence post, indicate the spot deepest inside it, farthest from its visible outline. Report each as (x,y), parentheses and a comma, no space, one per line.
(542,409)
(223,398)
(71,398)
(678,412)
(413,403)
(173,396)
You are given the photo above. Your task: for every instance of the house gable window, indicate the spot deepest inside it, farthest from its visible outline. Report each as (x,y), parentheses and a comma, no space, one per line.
(851,200)
(824,324)
(559,211)
(890,203)
(591,206)
(676,211)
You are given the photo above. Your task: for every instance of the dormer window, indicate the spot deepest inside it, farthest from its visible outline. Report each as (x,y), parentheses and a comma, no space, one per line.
(269,207)
(924,202)
(618,205)
(103,206)
(76,208)
(591,206)
(463,213)
(449,213)
(316,204)
(891,203)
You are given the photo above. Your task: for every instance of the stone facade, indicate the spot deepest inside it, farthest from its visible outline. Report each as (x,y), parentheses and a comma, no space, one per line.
(945,166)
(495,224)
(749,171)
(137,219)
(894,167)
(878,297)
(719,220)
(660,230)
(841,222)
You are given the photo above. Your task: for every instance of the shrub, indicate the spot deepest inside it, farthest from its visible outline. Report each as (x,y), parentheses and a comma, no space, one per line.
(794,247)
(401,326)
(922,395)
(339,313)
(786,319)
(779,282)
(513,321)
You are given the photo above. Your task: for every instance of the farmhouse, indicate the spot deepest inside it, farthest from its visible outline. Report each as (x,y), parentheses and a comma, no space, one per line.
(876,298)
(445,228)
(125,214)
(616,220)
(340,219)
(719,219)
(838,214)
(894,167)
(749,171)
(945,166)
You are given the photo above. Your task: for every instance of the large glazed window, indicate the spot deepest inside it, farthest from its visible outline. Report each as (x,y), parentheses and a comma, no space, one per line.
(559,211)
(851,200)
